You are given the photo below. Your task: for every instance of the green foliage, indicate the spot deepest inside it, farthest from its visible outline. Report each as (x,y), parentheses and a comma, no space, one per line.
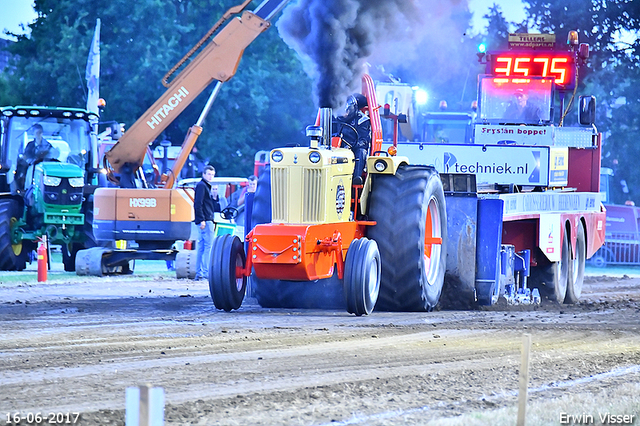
(267,104)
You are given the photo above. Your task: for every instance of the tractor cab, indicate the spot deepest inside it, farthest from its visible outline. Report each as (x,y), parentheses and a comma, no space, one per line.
(66,136)
(45,156)
(516,101)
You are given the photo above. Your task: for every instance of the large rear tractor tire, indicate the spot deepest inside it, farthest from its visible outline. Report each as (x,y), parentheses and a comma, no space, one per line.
(576,277)
(318,294)
(411,234)
(13,257)
(265,290)
(227,282)
(551,278)
(362,276)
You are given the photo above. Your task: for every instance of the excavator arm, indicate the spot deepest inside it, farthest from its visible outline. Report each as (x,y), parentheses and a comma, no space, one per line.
(218,60)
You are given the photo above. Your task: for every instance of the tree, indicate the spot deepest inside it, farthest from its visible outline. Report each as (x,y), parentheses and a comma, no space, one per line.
(497,28)
(611,29)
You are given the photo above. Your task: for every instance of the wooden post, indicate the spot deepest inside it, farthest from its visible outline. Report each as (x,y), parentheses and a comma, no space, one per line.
(144,406)
(524,379)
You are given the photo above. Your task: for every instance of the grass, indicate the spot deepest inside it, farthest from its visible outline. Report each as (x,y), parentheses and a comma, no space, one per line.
(620,400)
(145,270)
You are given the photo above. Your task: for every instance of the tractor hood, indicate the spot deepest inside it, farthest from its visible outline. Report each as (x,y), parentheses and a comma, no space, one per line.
(57,169)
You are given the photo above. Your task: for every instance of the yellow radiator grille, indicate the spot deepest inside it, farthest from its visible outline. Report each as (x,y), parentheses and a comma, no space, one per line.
(280,189)
(312,197)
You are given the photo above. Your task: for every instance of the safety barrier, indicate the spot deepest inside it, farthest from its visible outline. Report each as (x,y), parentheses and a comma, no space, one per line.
(621,248)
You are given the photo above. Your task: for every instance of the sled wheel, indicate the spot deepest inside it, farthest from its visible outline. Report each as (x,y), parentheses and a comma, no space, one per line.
(227,282)
(362,276)
(576,278)
(551,278)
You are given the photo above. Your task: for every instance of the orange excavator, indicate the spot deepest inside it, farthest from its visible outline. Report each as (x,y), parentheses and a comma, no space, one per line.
(154,218)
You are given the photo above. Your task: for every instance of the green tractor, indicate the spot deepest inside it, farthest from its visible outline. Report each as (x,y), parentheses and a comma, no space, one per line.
(47,177)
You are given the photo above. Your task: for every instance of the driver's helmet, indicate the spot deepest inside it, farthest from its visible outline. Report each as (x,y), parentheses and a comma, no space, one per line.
(355,102)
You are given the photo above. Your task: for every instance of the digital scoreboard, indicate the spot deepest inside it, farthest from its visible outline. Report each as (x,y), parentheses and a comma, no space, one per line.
(513,64)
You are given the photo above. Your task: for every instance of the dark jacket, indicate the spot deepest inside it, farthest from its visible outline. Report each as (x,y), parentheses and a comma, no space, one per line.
(204,205)
(362,125)
(530,113)
(43,151)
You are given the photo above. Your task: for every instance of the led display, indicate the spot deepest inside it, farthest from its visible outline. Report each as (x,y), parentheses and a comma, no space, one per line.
(558,65)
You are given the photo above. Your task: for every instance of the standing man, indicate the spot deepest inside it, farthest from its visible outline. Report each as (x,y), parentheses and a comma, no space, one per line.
(251,187)
(204,206)
(220,201)
(246,198)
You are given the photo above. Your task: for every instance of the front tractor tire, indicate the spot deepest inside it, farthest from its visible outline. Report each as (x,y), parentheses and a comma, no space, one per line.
(227,282)
(411,233)
(13,257)
(362,276)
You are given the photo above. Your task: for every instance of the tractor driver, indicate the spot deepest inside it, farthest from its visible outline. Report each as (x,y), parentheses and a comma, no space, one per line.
(355,119)
(521,109)
(39,149)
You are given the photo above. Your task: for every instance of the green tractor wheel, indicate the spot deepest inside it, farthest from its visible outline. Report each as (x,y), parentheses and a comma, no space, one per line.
(13,256)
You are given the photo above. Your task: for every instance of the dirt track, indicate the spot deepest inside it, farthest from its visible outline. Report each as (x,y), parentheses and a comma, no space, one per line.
(70,347)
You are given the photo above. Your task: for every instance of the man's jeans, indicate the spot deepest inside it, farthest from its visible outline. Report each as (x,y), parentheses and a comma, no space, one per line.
(203,250)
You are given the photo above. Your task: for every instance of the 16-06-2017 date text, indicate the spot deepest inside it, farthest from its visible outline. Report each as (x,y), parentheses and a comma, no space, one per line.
(50,418)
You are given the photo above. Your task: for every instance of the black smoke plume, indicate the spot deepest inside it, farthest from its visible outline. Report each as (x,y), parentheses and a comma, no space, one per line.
(336,37)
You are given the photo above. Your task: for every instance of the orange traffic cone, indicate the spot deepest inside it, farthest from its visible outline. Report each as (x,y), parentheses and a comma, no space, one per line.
(42,259)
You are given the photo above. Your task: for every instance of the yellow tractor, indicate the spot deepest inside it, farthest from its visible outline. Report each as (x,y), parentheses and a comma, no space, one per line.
(381,240)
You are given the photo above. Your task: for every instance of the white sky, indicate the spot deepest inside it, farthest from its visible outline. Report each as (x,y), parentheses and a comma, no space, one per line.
(14,12)
(512,10)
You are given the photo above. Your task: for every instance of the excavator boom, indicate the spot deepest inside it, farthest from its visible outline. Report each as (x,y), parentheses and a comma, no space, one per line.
(218,60)
(154,218)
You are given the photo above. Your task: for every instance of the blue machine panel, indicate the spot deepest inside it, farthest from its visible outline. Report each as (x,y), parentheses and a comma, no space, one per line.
(488,250)
(459,290)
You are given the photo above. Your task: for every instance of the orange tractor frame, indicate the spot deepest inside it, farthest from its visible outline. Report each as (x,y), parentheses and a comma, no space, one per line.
(320,239)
